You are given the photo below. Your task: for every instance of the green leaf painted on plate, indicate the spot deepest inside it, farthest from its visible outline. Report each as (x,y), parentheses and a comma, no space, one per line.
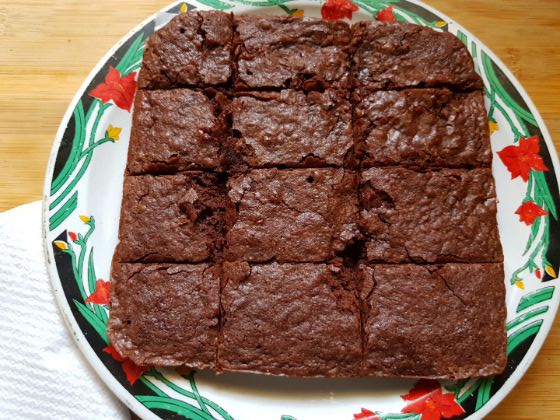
(95,322)
(535,297)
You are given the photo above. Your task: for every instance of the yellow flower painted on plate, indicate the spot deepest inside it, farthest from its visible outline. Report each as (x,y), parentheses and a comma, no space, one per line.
(493,126)
(184,8)
(61,245)
(85,219)
(519,284)
(298,13)
(440,23)
(550,271)
(113,133)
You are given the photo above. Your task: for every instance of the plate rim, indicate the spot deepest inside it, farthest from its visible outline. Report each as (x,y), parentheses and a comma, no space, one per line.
(56,284)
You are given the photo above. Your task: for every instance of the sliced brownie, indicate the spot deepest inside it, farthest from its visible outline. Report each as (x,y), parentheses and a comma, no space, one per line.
(164,314)
(444,321)
(391,55)
(291,128)
(436,216)
(175,218)
(288,52)
(298,215)
(194,48)
(290,319)
(174,130)
(423,128)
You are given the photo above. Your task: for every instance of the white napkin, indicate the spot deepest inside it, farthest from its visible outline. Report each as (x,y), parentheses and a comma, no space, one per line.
(43,375)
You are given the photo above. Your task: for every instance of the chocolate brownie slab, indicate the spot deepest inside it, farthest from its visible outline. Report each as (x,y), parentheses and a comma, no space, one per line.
(436,216)
(288,52)
(165,314)
(298,215)
(172,218)
(444,321)
(391,55)
(423,128)
(194,48)
(174,130)
(290,319)
(291,128)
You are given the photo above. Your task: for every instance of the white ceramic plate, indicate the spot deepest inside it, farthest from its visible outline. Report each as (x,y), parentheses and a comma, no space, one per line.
(81,210)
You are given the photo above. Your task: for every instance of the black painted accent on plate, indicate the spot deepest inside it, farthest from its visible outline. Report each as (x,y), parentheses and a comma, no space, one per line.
(419,10)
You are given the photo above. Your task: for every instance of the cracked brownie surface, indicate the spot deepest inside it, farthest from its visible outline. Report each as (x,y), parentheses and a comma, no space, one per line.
(297,215)
(194,49)
(291,128)
(166,314)
(429,320)
(290,319)
(176,129)
(172,218)
(389,55)
(436,216)
(288,52)
(423,128)
(308,199)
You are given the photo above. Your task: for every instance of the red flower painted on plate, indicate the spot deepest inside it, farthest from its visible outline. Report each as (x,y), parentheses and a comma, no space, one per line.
(101,294)
(529,211)
(366,414)
(428,399)
(386,15)
(523,158)
(130,369)
(73,237)
(538,273)
(116,88)
(338,9)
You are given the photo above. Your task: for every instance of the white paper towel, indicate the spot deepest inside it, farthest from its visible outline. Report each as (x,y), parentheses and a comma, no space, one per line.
(43,375)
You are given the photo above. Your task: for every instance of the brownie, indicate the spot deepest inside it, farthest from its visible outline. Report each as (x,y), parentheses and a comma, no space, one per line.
(172,218)
(164,314)
(194,48)
(297,215)
(423,128)
(435,321)
(291,128)
(390,55)
(288,52)
(290,319)
(435,216)
(174,130)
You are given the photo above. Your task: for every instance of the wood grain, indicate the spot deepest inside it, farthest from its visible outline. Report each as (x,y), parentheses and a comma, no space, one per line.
(46,51)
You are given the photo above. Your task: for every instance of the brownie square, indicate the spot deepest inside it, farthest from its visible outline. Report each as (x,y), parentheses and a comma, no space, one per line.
(290,319)
(194,48)
(291,128)
(445,321)
(175,130)
(397,55)
(436,216)
(172,218)
(164,314)
(288,52)
(423,128)
(298,215)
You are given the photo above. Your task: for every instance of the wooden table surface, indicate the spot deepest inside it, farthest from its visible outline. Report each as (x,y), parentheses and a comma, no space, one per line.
(46,51)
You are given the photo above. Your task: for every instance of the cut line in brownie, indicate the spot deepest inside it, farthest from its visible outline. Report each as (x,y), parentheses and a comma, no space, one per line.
(290,319)
(172,218)
(436,216)
(176,129)
(288,52)
(422,128)
(389,55)
(291,129)
(193,49)
(165,314)
(435,321)
(292,215)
